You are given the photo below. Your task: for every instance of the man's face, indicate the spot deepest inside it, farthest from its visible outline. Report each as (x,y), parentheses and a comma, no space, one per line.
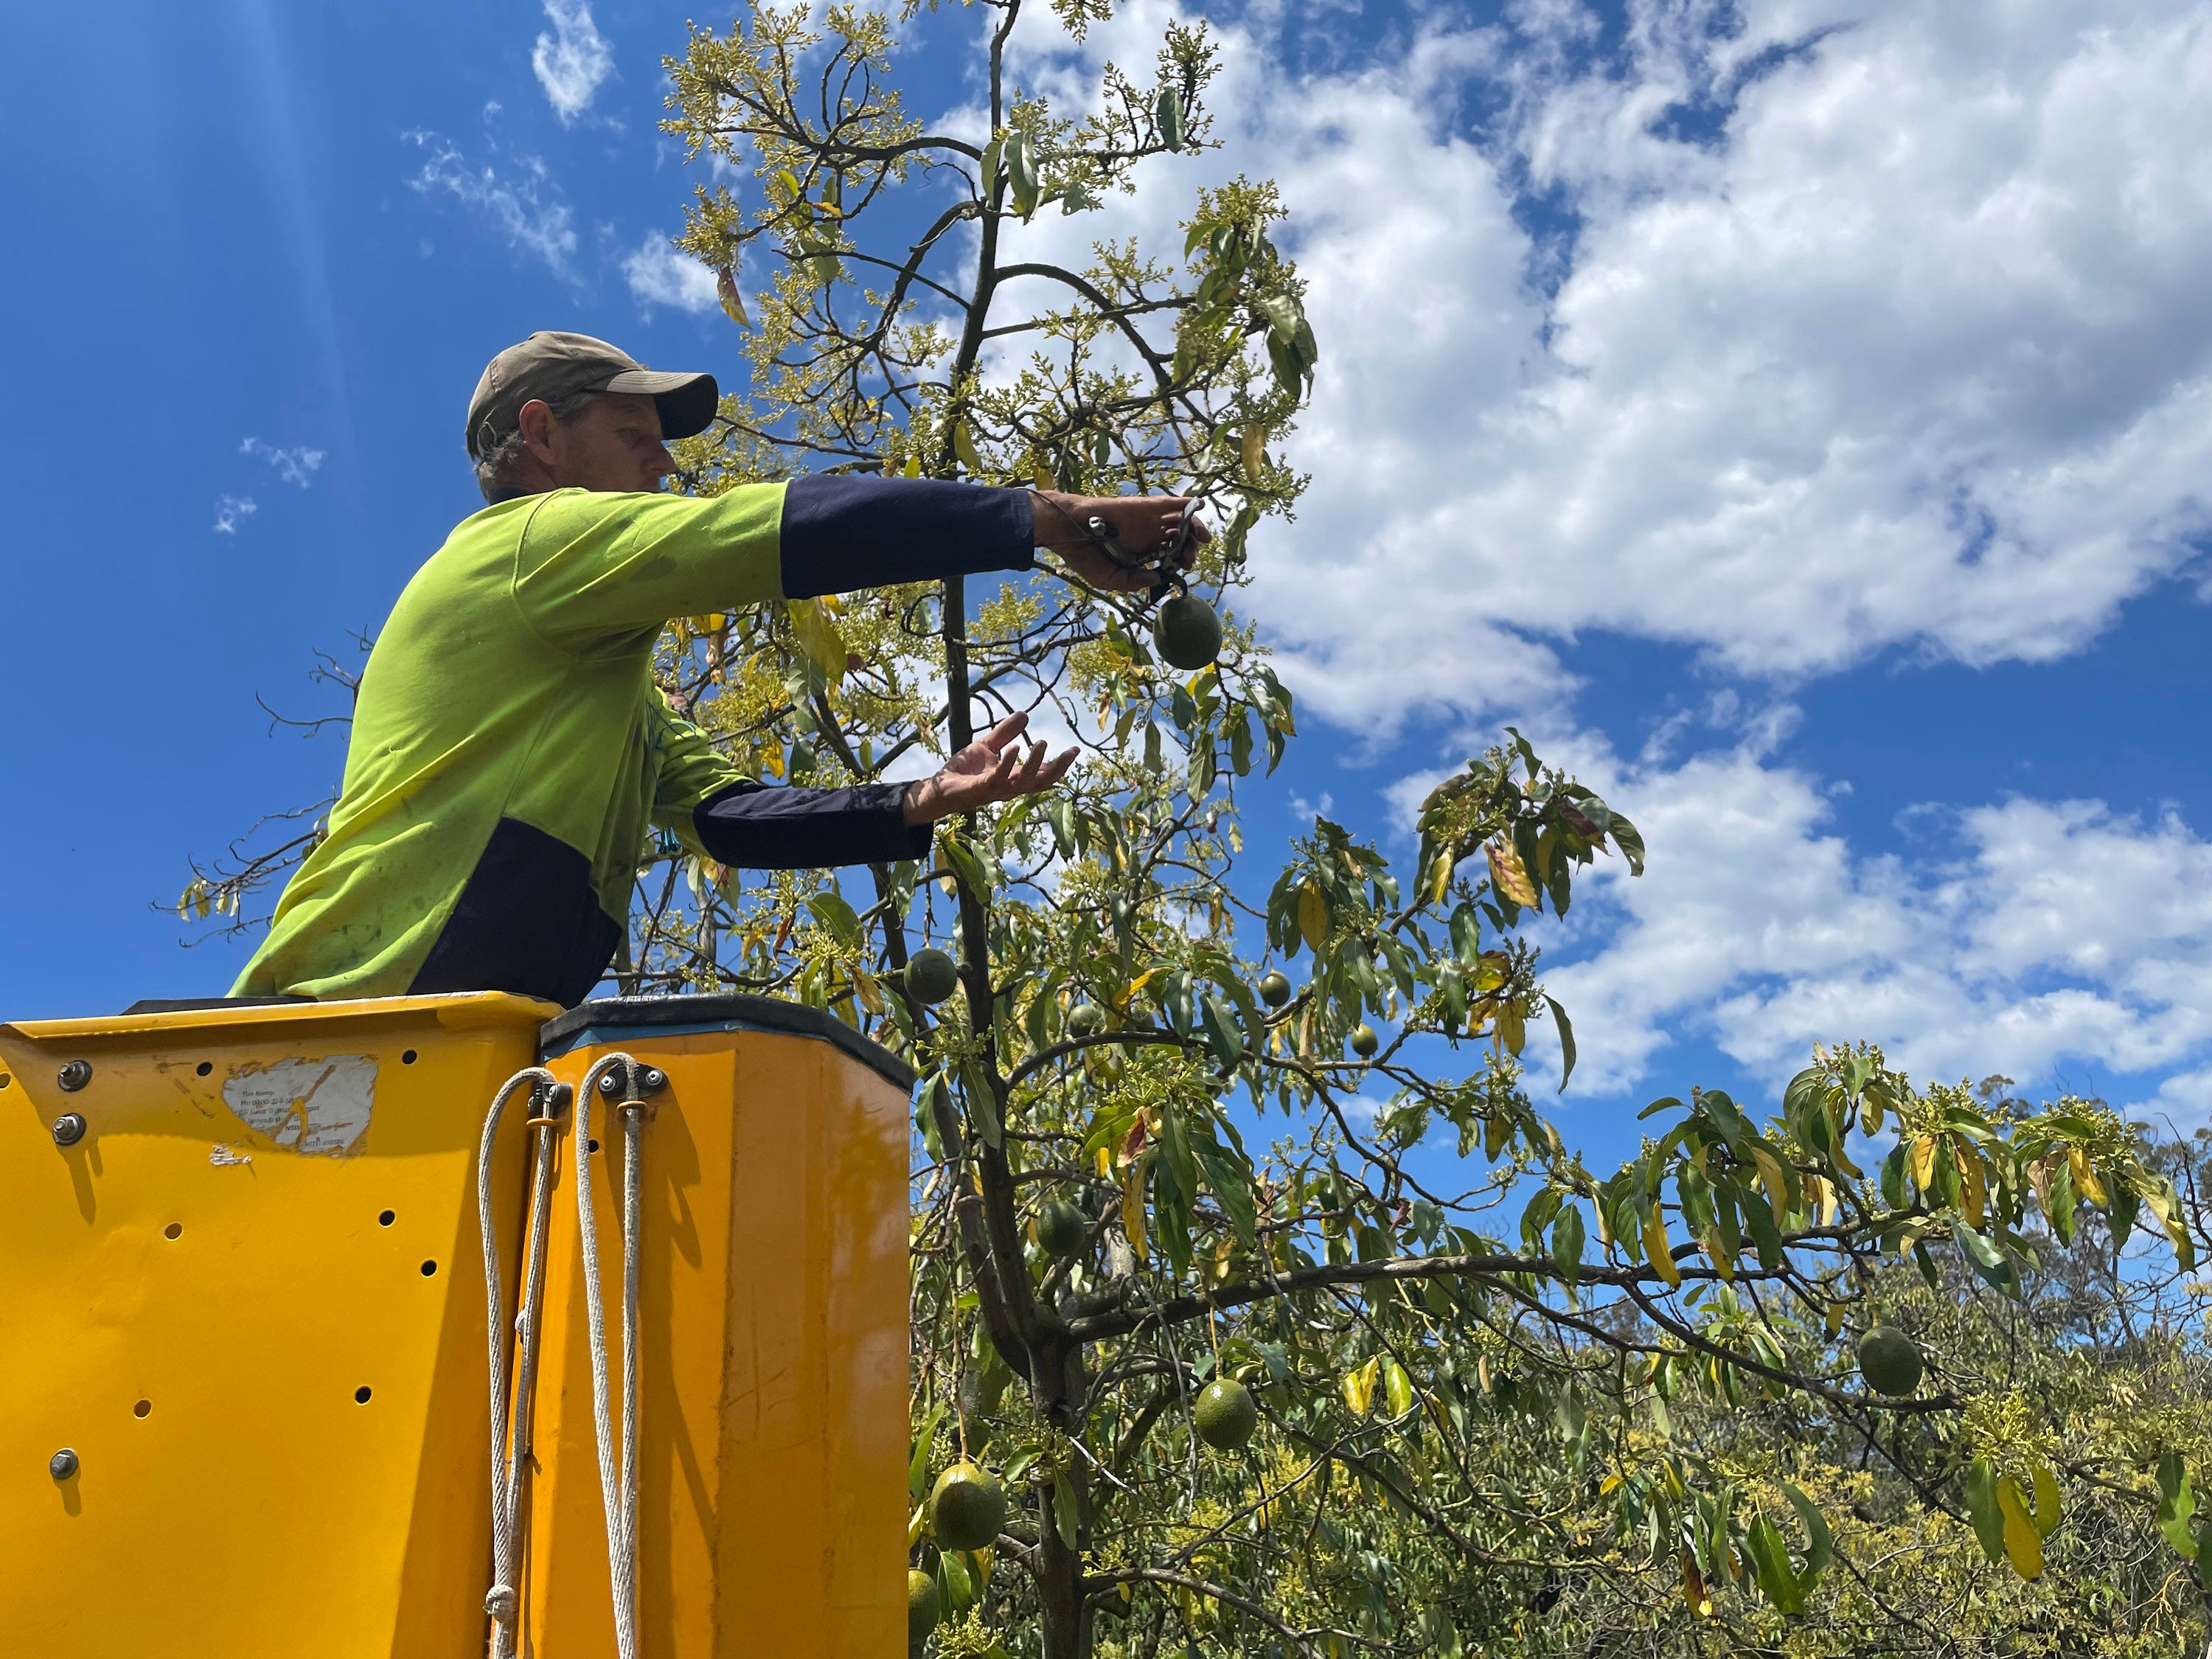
(613,443)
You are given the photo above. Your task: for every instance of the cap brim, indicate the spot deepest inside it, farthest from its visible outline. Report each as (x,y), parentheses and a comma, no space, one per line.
(687,402)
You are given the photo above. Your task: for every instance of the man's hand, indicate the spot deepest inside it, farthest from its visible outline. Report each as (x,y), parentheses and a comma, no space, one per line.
(990,769)
(1144,528)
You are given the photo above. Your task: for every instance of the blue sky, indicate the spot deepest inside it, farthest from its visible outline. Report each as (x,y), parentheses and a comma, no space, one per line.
(1799,420)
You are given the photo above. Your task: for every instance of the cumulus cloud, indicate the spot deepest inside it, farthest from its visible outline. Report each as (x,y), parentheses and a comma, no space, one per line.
(2032,937)
(1793,335)
(658,275)
(231,511)
(572,61)
(522,204)
(294,467)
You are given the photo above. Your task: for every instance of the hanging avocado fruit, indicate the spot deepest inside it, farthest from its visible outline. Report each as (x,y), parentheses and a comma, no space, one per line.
(1225,1414)
(1274,990)
(967,1508)
(1890,1362)
(930,975)
(923,1606)
(1060,1228)
(1085,1020)
(1186,633)
(1364,1042)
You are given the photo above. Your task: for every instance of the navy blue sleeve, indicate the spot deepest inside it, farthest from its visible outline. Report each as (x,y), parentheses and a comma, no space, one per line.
(757,827)
(840,532)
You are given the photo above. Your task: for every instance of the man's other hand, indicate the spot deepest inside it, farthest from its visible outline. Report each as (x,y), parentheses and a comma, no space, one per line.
(992,768)
(1144,528)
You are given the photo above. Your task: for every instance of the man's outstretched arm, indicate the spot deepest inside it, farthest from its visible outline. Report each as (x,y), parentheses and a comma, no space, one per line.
(755,827)
(599,570)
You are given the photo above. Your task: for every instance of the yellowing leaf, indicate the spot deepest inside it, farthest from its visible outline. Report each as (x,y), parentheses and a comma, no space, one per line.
(964,446)
(1440,875)
(1255,448)
(2085,1178)
(1508,874)
(1132,1207)
(1661,1252)
(1781,1190)
(2023,1542)
(1313,916)
(1972,1188)
(2046,1500)
(818,637)
(1924,1162)
(1358,1387)
(1827,1199)
(1398,1388)
(870,993)
(1695,1595)
(1512,1027)
(733,303)
(914,466)
(1041,478)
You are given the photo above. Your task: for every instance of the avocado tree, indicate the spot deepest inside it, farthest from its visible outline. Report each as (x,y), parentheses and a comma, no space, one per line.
(1206,1355)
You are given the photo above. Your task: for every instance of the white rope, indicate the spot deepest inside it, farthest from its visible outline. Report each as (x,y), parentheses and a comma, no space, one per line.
(503,1602)
(618,1489)
(510,1441)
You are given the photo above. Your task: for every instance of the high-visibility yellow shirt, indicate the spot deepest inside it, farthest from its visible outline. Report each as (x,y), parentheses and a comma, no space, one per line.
(510,747)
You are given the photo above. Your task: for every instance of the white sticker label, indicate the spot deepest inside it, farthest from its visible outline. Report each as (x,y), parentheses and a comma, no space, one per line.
(312,1106)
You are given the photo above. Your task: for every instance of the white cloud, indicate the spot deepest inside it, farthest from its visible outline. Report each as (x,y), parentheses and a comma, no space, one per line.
(294,467)
(230,511)
(658,275)
(524,204)
(574,60)
(1871,324)
(2034,938)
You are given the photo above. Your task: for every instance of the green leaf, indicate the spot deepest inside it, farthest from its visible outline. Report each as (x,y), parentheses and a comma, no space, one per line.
(925,1443)
(2177,1505)
(1229,1178)
(1566,1040)
(1770,1561)
(1567,1243)
(1064,1519)
(1167,111)
(1992,1263)
(1982,1507)
(1281,313)
(1021,172)
(1766,1237)
(1819,1547)
(953,1583)
(974,872)
(1222,1034)
(831,910)
(1625,837)
(983,1107)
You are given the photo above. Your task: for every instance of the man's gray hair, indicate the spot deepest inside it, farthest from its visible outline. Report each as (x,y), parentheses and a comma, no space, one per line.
(496,472)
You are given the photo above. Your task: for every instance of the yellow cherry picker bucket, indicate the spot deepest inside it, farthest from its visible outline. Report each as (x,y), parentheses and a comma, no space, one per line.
(299,1301)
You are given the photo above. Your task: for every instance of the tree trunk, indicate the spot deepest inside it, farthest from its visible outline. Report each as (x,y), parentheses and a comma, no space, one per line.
(1058,1382)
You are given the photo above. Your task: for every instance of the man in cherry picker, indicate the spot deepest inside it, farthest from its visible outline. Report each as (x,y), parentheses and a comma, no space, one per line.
(509,745)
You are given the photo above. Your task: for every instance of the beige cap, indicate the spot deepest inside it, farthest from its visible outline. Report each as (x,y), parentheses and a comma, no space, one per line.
(550,365)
